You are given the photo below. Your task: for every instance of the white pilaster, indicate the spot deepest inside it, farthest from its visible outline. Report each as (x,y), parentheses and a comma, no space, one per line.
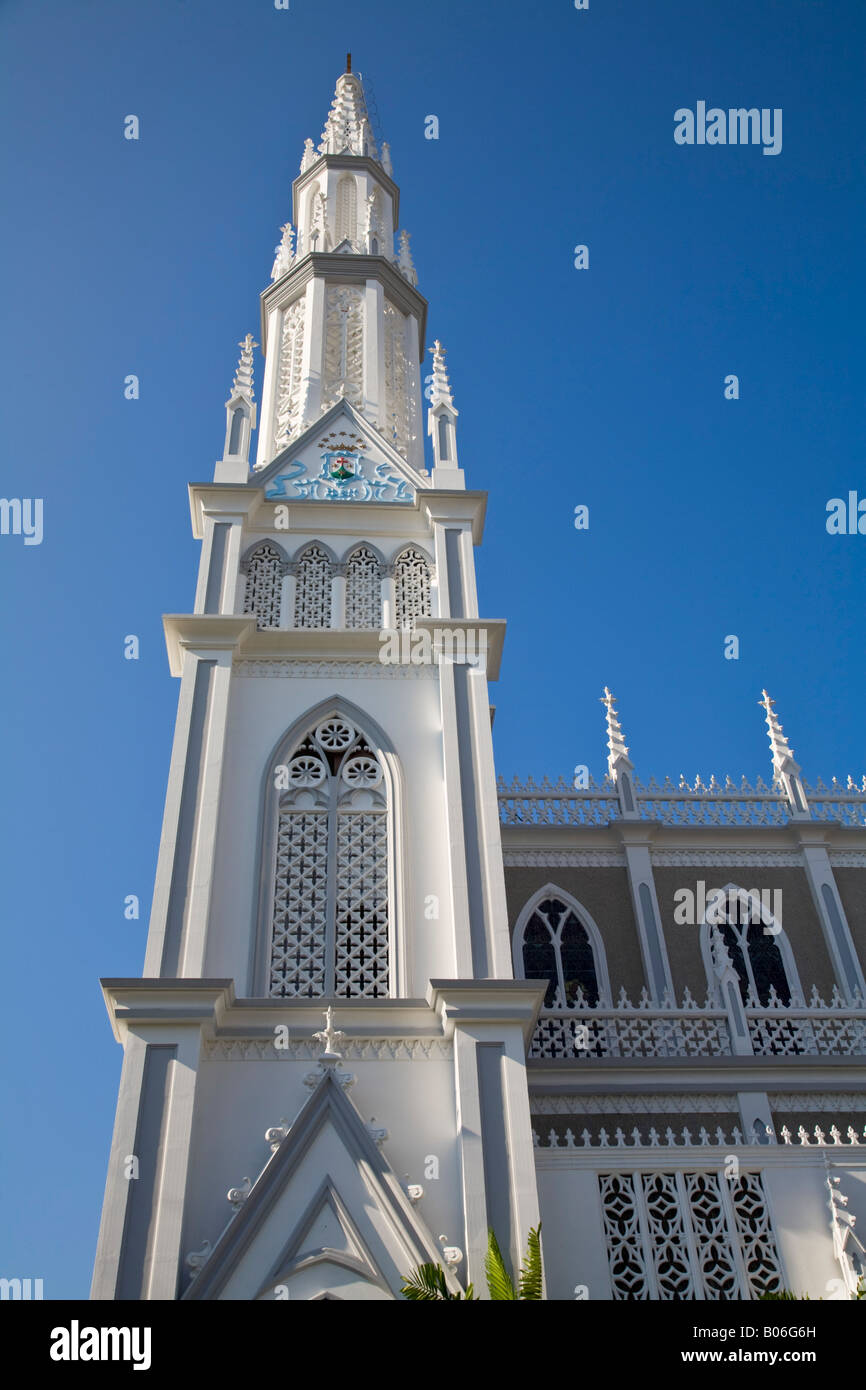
(389,614)
(338,600)
(269,387)
(314,350)
(374,353)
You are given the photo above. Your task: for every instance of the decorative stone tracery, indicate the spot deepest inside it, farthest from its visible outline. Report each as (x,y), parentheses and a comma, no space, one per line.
(288,416)
(263,596)
(313,588)
(688,1235)
(397,378)
(411,587)
(363,589)
(342,377)
(331,917)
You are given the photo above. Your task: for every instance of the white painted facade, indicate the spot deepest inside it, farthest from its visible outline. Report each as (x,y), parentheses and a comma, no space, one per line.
(334,838)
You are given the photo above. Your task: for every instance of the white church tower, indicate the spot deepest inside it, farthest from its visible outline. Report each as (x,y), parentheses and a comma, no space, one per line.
(331,839)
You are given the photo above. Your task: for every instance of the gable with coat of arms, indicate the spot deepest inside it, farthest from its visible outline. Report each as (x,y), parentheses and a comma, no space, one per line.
(347,474)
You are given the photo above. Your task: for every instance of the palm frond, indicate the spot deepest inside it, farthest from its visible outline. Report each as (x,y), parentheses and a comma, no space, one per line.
(531,1282)
(498,1279)
(426,1284)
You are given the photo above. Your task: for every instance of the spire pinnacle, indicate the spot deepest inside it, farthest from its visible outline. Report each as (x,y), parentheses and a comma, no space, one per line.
(783,754)
(405,263)
(240,420)
(348,129)
(284,253)
(617,750)
(442,424)
(440,389)
(243,382)
(786,769)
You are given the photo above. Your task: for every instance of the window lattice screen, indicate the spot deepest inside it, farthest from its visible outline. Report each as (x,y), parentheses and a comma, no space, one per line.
(688,1236)
(330,907)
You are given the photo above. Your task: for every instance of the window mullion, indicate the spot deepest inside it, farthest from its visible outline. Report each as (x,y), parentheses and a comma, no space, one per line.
(331,919)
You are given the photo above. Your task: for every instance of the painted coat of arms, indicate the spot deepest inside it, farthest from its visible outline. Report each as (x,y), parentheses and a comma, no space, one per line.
(347,475)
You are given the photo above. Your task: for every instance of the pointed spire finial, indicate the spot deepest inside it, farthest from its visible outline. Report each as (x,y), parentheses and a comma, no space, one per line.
(783,754)
(619,765)
(243,382)
(404,260)
(284,253)
(442,423)
(617,749)
(440,386)
(348,129)
(785,768)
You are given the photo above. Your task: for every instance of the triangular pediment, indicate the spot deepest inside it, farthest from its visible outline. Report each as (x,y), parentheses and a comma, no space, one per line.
(341,458)
(327,1215)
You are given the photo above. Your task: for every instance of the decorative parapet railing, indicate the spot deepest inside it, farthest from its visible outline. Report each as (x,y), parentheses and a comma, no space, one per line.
(811,1032)
(629,1032)
(684,1138)
(584,1032)
(559,804)
(682,803)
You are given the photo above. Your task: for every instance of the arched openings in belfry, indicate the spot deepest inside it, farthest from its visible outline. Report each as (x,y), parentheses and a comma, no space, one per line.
(411,586)
(264,567)
(313,578)
(363,588)
(307,599)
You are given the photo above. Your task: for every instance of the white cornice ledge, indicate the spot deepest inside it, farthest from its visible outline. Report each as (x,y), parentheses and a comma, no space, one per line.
(493,627)
(203,632)
(465,1003)
(446,506)
(213,1006)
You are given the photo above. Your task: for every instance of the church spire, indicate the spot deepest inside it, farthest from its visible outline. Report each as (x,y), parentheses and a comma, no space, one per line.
(342,318)
(347,128)
(240,419)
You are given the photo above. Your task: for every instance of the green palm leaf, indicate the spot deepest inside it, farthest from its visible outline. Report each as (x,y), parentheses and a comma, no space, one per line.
(427,1284)
(498,1279)
(530,1273)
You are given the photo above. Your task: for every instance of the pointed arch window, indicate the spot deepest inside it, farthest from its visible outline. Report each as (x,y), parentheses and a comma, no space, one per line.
(264,567)
(330,907)
(347,210)
(363,589)
(557,941)
(753,945)
(411,587)
(314,573)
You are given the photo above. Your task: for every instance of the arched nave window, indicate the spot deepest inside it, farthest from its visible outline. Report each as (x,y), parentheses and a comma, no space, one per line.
(265,567)
(411,587)
(313,588)
(556,940)
(330,931)
(363,589)
(758,947)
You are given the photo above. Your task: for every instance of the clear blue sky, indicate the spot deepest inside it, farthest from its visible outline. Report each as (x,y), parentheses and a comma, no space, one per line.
(602,387)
